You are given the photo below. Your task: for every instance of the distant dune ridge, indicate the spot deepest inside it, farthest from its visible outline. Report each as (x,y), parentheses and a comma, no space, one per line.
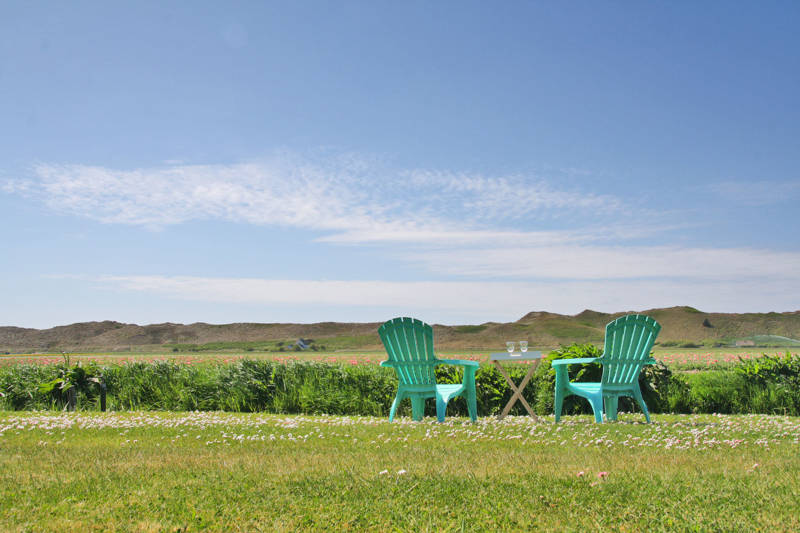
(680,325)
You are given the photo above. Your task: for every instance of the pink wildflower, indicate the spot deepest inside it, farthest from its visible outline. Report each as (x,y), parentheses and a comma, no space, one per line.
(602,475)
(580,474)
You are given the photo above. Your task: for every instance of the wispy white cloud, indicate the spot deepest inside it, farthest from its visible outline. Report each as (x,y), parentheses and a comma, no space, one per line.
(351,199)
(451,302)
(296,196)
(508,196)
(452,224)
(16,186)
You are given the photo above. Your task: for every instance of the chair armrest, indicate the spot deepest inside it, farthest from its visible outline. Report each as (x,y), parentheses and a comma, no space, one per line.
(460,362)
(558,362)
(650,361)
(387,363)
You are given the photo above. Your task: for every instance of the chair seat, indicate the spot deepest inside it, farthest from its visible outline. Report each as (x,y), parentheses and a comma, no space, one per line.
(588,388)
(448,391)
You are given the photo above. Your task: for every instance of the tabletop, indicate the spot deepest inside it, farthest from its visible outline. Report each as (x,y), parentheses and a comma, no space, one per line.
(505,356)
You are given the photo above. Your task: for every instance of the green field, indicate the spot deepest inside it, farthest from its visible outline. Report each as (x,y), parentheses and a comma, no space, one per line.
(232,472)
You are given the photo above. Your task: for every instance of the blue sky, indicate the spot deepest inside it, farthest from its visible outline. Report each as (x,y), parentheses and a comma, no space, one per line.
(460,162)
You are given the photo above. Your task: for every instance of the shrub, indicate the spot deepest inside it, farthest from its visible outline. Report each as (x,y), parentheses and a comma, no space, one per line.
(19,385)
(717,391)
(71,380)
(777,377)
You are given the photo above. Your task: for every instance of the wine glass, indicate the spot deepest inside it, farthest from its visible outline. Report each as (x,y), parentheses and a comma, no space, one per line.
(523,346)
(510,347)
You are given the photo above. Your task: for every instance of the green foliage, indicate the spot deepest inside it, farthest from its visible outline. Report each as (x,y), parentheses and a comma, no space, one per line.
(566,329)
(772,368)
(243,346)
(227,346)
(469,329)
(770,384)
(19,386)
(76,376)
(252,385)
(71,380)
(717,391)
(774,381)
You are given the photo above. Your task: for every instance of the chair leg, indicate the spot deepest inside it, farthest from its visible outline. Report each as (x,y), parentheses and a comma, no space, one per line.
(559,403)
(397,399)
(441,408)
(472,404)
(562,378)
(611,406)
(637,393)
(417,407)
(597,408)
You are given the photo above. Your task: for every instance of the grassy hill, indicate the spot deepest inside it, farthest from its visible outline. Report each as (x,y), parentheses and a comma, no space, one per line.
(681,326)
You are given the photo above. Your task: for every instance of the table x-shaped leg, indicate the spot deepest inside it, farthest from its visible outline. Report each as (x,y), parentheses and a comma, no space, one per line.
(517,390)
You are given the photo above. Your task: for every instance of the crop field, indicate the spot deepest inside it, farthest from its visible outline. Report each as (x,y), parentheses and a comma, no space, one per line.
(212,471)
(676,358)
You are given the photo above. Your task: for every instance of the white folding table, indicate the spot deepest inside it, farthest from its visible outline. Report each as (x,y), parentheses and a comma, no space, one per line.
(534,357)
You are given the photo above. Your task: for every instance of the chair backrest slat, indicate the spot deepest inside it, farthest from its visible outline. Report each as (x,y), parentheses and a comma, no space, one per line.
(409,344)
(628,342)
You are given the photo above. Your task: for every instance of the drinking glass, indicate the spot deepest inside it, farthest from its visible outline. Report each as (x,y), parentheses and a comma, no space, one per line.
(510,347)
(523,346)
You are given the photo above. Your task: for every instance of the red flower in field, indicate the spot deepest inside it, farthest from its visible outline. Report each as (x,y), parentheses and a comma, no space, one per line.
(602,475)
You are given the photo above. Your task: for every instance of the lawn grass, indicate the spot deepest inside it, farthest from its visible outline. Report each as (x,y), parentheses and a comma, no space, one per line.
(212,471)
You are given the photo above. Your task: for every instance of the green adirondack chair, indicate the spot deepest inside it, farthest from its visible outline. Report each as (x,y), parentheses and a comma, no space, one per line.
(629,340)
(409,345)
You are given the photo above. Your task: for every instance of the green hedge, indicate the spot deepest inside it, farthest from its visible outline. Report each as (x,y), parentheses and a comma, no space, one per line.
(765,385)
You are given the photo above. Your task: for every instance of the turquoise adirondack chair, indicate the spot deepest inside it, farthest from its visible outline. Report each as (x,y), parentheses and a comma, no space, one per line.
(629,340)
(409,345)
